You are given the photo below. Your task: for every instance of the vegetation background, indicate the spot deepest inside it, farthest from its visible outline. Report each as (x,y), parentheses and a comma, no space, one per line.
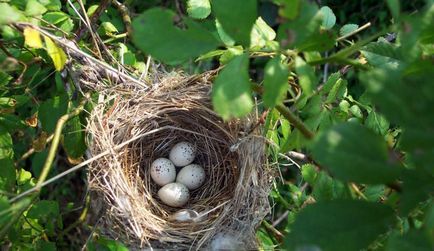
(345,89)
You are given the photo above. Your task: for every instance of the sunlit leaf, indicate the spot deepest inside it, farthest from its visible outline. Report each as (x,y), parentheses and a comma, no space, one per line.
(231,93)
(175,44)
(56,53)
(275,82)
(32,38)
(199,9)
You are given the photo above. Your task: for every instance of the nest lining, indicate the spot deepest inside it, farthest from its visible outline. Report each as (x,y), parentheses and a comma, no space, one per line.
(238,179)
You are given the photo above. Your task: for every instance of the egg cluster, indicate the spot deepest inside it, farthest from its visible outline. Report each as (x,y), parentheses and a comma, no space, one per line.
(190,177)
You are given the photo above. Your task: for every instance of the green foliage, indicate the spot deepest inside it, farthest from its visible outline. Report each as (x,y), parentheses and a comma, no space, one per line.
(231,91)
(339,150)
(174,45)
(348,120)
(339,225)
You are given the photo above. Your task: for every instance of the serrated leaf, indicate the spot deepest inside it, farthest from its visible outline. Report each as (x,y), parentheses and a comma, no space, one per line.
(275,82)
(328,17)
(199,9)
(6,150)
(174,45)
(354,153)
(331,81)
(261,33)
(74,138)
(32,38)
(347,29)
(231,92)
(377,122)
(236,17)
(55,17)
(7,175)
(339,225)
(306,75)
(381,54)
(56,54)
(34,8)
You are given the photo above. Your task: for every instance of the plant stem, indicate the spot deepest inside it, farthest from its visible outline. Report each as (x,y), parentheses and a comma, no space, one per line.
(278,235)
(365,26)
(56,139)
(295,121)
(80,219)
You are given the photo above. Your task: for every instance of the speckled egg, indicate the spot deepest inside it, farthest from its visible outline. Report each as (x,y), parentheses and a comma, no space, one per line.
(174,194)
(192,176)
(182,154)
(163,171)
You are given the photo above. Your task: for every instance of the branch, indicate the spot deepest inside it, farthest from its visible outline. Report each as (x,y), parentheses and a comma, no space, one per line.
(295,121)
(56,139)
(354,32)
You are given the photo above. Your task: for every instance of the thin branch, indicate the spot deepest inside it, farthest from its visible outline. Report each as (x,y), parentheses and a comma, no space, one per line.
(295,121)
(278,235)
(80,219)
(365,26)
(32,150)
(125,15)
(56,140)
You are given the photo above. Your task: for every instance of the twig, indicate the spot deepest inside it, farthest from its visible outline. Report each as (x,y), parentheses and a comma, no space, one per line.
(32,150)
(354,32)
(125,15)
(357,191)
(56,139)
(82,54)
(278,235)
(95,16)
(281,218)
(80,219)
(88,161)
(295,121)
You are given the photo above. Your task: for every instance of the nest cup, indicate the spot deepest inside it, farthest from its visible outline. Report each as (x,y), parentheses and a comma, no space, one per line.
(134,126)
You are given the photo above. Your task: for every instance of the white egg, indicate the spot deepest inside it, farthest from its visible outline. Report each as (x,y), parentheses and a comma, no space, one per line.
(182,154)
(163,171)
(192,176)
(174,194)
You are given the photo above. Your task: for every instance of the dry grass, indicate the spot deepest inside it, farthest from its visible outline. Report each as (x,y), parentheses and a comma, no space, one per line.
(178,109)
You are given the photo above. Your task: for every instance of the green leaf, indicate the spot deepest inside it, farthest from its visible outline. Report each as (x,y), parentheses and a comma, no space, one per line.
(7,175)
(339,225)
(321,41)
(23,177)
(337,92)
(415,240)
(55,17)
(52,5)
(74,138)
(299,30)
(288,8)
(380,54)
(275,82)
(226,39)
(50,111)
(236,17)
(306,74)
(230,53)
(261,33)
(328,17)
(56,53)
(199,9)
(354,153)
(419,144)
(6,145)
(347,29)
(9,14)
(44,209)
(331,81)
(34,8)
(377,122)
(309,173)
(174,45)
(394,7)
(231,93)
(417,186)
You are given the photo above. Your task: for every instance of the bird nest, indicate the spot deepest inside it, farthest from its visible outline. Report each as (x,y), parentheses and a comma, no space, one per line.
(138,125)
